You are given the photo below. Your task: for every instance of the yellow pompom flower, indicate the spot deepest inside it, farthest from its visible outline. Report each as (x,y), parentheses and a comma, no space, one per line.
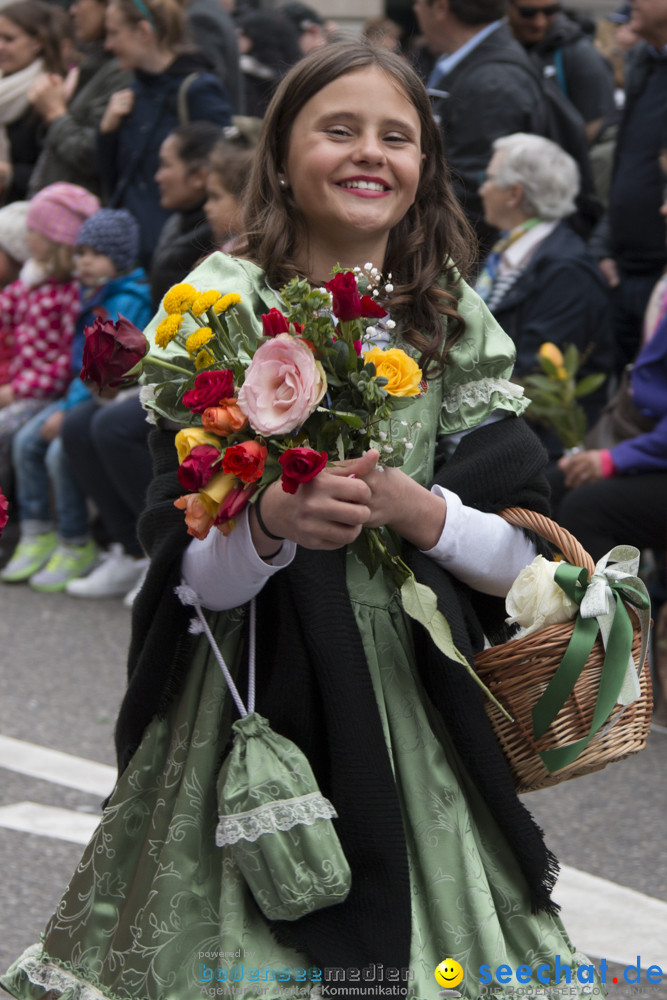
(402,372)
(167,329)
(179,298)
(204,359)
(198,339)
(553,354)
(226,302)
(204,302)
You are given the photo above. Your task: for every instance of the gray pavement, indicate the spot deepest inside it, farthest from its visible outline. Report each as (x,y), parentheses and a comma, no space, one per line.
(62,668)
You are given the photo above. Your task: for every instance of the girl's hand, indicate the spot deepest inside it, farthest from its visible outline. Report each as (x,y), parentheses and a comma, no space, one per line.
(47,96)
(326,513)
(52,426)
(401,504)
(119,106)
(584,467)
(6,395)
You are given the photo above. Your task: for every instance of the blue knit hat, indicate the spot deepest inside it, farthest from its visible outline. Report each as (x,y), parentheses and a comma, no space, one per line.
(113,232)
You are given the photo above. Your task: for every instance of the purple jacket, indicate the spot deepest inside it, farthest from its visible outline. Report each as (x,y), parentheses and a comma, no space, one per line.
(648,452)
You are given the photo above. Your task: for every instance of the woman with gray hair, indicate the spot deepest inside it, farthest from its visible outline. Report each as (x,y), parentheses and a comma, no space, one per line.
(540,280)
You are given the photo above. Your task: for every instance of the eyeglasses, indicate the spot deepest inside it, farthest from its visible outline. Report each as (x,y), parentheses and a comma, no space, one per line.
(530,12)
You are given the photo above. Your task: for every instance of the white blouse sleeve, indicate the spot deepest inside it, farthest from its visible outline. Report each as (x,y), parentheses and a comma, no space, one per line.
(480,549)
(226,571)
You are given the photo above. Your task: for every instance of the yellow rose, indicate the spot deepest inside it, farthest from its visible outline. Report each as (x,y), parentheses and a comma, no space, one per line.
(189,437)
(402,372)
(179,298)
(215,492)
(553,354)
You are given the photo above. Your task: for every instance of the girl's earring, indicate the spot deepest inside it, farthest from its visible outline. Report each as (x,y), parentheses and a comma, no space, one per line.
(283,183)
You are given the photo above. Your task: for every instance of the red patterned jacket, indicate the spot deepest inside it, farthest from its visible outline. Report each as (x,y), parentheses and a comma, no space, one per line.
(41,319)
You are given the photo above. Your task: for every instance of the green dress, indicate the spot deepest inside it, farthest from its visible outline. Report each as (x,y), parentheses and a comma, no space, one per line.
(156,911)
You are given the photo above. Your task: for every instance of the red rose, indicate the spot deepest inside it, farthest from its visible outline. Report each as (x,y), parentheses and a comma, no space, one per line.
(234,502)
(111,350)
(210,389)
(370,308)
(245,460)
(274,323)
(4,511)
(196,470)
(300,465)
(346,301)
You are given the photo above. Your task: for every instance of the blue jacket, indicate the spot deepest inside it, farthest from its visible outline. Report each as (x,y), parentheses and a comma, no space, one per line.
(128,295)
(648,452)
(128,158)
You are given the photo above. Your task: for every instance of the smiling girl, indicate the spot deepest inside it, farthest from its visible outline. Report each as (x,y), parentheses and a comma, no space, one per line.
(444,858)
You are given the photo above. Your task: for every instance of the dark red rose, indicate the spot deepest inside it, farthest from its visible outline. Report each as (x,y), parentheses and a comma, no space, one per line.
(300,465)
(274,323)
(245,460)
(196,470)
(210,389)
(235,501)
(110,351)
(4,511)
(346,301)
(370,308)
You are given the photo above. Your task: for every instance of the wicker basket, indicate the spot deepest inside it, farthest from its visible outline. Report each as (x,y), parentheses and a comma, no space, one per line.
(517,673)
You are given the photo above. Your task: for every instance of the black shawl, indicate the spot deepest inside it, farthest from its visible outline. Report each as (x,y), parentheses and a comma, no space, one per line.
(314,687)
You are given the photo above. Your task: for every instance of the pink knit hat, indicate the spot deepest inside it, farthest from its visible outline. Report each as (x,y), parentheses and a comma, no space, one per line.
(59,210)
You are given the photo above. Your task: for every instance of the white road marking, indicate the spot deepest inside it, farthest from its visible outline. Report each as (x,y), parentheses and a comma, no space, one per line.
(49,821)
(606,920)
(56,767)
(603,919)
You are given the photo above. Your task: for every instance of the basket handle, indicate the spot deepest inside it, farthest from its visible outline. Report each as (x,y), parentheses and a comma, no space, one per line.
(566,543)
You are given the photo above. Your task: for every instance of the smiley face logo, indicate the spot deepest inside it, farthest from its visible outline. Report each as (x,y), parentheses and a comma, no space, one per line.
(449,973)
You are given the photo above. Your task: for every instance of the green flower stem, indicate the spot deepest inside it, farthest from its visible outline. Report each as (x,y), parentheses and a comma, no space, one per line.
(167,364)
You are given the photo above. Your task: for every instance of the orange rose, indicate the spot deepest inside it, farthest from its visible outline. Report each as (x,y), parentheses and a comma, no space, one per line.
(197,518)
(224,419)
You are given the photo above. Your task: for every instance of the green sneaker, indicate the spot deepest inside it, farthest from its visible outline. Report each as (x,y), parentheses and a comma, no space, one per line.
(67,563)
(31,553)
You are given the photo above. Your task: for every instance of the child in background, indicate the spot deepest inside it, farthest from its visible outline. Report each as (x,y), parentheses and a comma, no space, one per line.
(229,169)
(13,255)
(110,285)
(40,310)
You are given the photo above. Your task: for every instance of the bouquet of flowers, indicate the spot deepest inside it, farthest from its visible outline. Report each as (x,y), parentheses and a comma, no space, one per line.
(555,393)
(253,412)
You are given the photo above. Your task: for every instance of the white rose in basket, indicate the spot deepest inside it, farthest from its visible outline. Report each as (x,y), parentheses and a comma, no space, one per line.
(535,600)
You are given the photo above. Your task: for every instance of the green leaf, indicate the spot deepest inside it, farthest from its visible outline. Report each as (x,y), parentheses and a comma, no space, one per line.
(589,384)
(571,360)
(421,604)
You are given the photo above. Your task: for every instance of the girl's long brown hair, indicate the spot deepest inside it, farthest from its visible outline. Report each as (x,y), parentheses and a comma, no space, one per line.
(433,237)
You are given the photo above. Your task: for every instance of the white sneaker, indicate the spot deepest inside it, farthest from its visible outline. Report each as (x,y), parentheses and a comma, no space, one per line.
(116,574)
(128,600)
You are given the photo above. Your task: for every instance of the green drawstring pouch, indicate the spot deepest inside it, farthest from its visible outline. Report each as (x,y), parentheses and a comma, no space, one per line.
(272,816)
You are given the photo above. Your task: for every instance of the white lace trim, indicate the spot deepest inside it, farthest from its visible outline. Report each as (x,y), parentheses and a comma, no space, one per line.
(273,817)
(479,391)
(56,979)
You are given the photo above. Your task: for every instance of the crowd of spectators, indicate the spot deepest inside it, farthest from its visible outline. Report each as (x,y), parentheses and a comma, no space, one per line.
(151,108)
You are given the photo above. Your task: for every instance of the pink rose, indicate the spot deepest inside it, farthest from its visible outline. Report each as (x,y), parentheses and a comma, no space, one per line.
(4,511)
(283,385)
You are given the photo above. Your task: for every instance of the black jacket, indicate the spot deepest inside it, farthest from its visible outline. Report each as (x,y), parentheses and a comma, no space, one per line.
(186,237)
(561,297)
(587,78)
(487,97)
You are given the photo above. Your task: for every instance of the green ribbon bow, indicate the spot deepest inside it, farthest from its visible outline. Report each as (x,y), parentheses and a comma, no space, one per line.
(601,608)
